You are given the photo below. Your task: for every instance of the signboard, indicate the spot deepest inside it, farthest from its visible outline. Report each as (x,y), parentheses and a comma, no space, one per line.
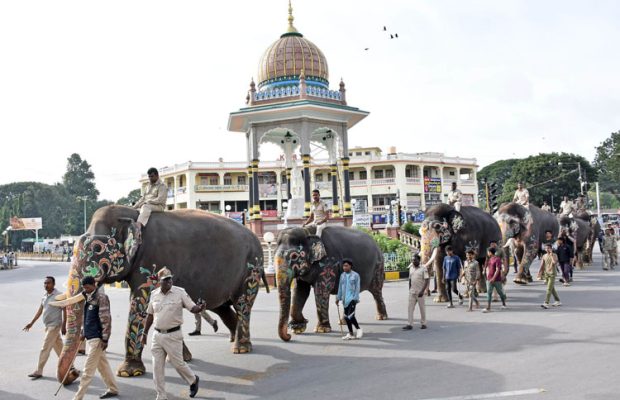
(269,213)
(432,185)
(21,224)
(236,216)
(362,220)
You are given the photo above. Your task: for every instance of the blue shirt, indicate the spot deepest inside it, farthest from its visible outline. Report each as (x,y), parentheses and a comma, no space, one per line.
(349,288)
(451,267)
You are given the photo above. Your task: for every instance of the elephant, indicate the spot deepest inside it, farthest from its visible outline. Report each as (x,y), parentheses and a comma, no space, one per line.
(580,230)
(471,228)
(212,257)
(526,226)
(595,229)
(316,262)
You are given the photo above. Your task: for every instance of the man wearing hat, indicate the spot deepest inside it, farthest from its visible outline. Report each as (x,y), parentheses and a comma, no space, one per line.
(165,313)
(96,331)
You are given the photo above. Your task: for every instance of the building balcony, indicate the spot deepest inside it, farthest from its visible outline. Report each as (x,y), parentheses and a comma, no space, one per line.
(414,181)
(379,209)
(221,188)
(383,181)
(358,182)
(467,182)
(182,189)
(323,185)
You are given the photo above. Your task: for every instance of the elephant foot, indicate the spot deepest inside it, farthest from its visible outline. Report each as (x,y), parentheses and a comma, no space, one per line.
(442,298)
(130,368)
(521,279)
(231,339)
(242,348)
(298,327)
(323,329)
(381,317)
(342,322)
(71,376)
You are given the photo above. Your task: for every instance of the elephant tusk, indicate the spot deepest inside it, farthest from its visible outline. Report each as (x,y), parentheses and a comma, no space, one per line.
(61,297)
(69,301)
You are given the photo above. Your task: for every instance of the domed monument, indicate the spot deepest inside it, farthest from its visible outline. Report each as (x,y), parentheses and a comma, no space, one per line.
(293,106)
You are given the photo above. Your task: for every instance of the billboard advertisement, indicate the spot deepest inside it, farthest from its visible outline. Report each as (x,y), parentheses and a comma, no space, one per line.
(432,185)
(21,224)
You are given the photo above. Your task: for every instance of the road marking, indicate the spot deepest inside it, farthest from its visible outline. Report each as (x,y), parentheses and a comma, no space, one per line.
(492,395)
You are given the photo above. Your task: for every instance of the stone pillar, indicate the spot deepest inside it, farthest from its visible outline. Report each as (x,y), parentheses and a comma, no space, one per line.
(347,187)
(307,199)
(256,206)
(288,183)
(251,193)
(334,174)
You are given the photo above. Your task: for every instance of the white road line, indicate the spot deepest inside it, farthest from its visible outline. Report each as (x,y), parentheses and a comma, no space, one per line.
(492,395)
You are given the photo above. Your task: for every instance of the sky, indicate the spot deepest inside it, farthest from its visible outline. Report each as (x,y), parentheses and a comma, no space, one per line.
(134,84)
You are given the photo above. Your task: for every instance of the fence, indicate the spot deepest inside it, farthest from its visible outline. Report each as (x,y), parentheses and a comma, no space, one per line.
(43,256)
(396,262)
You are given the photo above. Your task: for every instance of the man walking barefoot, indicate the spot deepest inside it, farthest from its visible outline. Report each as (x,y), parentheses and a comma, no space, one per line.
(418,283)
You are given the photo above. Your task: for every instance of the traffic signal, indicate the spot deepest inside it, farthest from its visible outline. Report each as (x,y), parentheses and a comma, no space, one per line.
(493,197)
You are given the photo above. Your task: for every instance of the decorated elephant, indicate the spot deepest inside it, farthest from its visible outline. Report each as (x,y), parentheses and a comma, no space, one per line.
(469,229)
(212,257)
(316,263)
(526,226)
(578,229)
(595,229)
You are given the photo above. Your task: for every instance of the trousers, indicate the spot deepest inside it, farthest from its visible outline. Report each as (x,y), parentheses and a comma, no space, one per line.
(145,212)
(498,287)
(207,318)
(551,289)
(413,300)
(96,360)
(51,342)
(171,345)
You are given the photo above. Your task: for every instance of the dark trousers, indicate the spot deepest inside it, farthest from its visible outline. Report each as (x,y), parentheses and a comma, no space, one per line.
(567,271)
(349,316)
(451,287)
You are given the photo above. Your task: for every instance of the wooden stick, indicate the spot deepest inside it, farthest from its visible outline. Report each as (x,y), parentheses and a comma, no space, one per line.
(70,368)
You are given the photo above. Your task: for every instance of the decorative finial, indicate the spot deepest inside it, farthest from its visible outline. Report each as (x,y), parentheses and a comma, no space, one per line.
(291,28)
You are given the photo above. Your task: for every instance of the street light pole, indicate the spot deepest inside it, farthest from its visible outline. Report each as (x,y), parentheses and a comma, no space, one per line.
(84,198)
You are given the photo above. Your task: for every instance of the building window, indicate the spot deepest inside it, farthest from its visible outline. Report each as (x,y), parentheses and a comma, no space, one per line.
(389,173)
(363,175)
(227,180)
(451,173)
(358,153)
(241,180)
(214,180)
(351,175)
(411,171)
(318,178)
(378,174)
(366,153)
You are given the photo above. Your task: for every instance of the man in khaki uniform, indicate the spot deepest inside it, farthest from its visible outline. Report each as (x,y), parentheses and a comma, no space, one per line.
(153,199)
(455,197)
(54,320)
(319,213)
(418,283)
(566,206)
(522,196)
(610,249)
(165,312)
(96,330)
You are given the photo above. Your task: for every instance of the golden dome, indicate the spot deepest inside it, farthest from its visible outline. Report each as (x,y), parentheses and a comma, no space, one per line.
(288,56)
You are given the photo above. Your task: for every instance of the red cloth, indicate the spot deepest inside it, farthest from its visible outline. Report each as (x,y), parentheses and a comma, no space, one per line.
(494,266)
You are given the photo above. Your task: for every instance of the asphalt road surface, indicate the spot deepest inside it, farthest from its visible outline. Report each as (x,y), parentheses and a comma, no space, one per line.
(525,352)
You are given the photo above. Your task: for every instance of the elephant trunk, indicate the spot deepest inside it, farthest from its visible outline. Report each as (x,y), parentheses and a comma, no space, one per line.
(284,290)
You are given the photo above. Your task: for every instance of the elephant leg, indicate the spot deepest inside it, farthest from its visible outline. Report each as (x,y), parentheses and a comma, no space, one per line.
(323,287)
(300,295)
(482,283)
(376,289)
(229,318)
(133,365)
(243,307)
(442,296)
(521,276)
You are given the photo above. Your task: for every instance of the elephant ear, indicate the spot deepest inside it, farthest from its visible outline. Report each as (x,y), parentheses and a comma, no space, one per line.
(129,244)
(456,221)
(317,249)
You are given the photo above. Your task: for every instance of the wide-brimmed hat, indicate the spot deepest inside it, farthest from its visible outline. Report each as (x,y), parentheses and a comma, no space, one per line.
(164,273)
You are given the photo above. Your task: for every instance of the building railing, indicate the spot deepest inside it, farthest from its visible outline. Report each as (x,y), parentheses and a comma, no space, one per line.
(379,209)
(221,188)
(467,182)
(383,181)
(414,181)
(410,240)
(182,189)
(323,185)
(358,182)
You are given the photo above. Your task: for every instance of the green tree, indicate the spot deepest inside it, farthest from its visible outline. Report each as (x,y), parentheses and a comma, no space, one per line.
(607,162)
(548,174)
(79,180)
(131,198)
(498,172)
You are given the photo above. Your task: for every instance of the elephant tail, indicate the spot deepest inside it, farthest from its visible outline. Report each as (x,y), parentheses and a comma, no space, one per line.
(264,278)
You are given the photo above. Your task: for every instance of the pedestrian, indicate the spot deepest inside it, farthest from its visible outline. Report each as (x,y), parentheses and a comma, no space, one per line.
(419,279)
(349,293)
(499,253)
(96,331)
(319,213)
(207,318)
(455,197)
(550,265)
(522,196)
(55,321)
(471,275)
(610,249)
(494,279)
(565,255)
(451,270)
(165,313)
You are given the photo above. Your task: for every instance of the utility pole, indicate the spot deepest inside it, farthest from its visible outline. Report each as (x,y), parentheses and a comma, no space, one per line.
(83,198)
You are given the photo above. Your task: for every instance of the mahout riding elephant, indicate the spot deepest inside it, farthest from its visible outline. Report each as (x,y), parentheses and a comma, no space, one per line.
(526,226)
(317,263)
(213,258)
(581,231)
(471,228)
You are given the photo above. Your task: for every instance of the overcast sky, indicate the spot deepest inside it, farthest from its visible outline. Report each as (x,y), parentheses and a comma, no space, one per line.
(133,84)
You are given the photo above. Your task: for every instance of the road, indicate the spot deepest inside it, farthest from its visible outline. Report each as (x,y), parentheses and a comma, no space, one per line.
(524,352)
